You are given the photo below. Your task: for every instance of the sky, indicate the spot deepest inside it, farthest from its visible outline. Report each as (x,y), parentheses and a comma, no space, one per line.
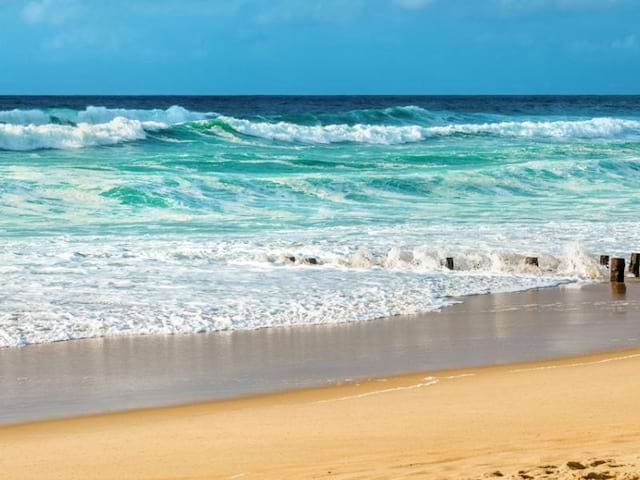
(319,47)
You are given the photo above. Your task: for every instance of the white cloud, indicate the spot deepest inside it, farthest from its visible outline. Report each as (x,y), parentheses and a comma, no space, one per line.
(87,38)
(53,12)
(412,4)
(188,8)
(317,11)
(630,41)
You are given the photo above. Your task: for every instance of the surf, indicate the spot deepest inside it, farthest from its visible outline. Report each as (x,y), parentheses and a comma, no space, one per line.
(59,128)
(605,128)
(152,215)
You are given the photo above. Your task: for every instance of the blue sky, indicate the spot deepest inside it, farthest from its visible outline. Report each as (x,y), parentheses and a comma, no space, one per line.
(319,46)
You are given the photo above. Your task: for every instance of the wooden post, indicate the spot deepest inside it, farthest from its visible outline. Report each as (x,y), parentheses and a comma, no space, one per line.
(450,263)
(531,261)
(604,260)
(634,264)
(617,269)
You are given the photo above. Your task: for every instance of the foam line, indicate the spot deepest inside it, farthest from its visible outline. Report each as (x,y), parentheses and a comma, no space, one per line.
(429,381)
(578,364)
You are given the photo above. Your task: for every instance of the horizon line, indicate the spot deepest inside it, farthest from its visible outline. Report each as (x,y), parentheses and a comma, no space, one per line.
(3,95)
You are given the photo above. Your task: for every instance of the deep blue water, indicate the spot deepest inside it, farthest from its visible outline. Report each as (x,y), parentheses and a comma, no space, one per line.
(281,105)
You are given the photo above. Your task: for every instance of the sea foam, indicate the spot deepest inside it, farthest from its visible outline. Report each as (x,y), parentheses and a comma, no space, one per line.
(64,289)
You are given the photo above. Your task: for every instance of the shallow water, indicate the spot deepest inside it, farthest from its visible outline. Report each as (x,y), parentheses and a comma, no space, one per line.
(129,215)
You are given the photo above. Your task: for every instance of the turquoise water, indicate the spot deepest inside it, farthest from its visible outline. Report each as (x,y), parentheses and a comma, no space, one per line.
(165,215)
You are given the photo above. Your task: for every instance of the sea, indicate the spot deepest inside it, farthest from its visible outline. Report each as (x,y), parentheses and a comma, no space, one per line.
(178,214)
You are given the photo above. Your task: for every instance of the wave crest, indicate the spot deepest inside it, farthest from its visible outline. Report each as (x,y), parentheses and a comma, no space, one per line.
(54,128)
(325,134)
(174,115)
(36,137)
(390,135)
(24,117)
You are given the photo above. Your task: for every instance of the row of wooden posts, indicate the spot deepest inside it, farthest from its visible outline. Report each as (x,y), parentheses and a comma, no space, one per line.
(616,265)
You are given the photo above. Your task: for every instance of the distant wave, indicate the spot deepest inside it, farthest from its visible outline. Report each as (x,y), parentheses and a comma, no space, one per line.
(389,134)
(95,115)
(35,137)
(23,130)
(594,128)
(400,115)
(34,129)
(25,117)
(324,134)
(94,126)
(172,116)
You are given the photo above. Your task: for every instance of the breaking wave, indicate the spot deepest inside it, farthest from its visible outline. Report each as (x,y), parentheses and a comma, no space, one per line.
(254,285)
(36,137)
(280,211)
(22,130)
(64,128)
(574,262)
(95,115)
(390,134)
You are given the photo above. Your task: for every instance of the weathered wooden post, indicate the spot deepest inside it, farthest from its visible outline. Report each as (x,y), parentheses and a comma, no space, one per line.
(617,269)
(634,264)
(604,260)
(531,261)
(450,263)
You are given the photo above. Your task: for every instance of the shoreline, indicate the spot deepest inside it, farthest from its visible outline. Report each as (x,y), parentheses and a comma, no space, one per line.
(593,358)
(128,373)
(461,423)
(455,300)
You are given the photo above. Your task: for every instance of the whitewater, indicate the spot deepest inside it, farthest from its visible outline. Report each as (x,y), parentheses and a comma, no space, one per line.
(37,129)
(165,215)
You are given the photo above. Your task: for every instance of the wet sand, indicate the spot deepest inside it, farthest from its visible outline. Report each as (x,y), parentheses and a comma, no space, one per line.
(104,375)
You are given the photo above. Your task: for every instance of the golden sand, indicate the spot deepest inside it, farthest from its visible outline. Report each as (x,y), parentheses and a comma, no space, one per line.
(518,421)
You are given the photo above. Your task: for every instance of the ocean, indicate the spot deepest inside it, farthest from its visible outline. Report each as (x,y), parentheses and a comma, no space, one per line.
(163,215)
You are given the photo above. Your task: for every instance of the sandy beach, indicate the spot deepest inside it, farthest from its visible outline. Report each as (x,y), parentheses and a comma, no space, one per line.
(517,421)
(569,418)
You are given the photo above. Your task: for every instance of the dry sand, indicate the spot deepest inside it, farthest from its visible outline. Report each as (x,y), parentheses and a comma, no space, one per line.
(519,421)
